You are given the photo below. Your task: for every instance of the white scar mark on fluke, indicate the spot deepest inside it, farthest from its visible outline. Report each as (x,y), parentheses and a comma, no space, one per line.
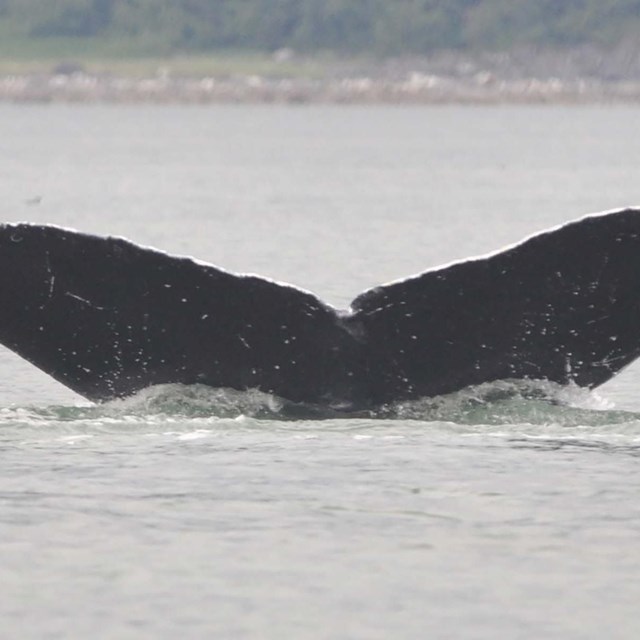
(83,300)
(52,281)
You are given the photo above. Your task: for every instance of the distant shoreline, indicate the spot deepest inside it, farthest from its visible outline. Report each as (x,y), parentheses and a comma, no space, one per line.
(414,89)
(579,76)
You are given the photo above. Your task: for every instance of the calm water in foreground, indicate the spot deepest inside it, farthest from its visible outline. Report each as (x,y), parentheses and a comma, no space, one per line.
(183,514)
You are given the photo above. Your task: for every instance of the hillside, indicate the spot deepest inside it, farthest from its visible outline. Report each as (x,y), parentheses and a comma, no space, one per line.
(378,27)
(425,51)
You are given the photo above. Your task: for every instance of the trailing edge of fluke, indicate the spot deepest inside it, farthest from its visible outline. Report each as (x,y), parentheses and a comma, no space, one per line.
(107,318)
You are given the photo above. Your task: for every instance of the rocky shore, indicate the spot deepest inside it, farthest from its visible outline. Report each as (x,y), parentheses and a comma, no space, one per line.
(580,76)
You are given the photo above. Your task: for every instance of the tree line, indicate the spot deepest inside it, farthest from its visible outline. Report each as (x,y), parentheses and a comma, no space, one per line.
(385,27)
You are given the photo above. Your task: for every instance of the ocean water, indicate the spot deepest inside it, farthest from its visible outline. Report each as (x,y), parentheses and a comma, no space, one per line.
(192,513)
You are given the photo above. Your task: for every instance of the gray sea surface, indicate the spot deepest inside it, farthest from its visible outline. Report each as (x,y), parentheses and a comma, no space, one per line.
(193,513)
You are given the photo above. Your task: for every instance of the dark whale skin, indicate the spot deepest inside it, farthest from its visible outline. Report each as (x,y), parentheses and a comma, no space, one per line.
(107,318)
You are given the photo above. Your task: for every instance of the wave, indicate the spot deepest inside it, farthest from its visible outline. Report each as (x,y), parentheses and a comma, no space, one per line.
(493,404)
(515,402)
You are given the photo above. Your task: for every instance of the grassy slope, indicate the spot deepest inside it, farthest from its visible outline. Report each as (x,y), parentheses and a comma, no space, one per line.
(128,57)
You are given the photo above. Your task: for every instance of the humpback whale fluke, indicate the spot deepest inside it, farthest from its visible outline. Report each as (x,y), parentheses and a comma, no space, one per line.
(107,317)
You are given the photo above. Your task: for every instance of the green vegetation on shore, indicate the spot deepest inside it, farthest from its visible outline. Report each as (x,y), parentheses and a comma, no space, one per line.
(113,29)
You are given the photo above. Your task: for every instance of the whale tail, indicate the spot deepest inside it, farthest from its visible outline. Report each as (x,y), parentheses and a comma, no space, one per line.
(107,318)
(563,306)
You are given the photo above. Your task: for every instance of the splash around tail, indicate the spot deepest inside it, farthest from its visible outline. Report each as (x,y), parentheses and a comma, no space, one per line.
(511,402)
